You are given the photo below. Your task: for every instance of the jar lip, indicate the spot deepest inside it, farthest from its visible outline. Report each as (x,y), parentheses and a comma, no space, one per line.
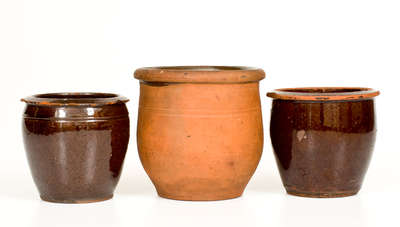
(323,93)
(75,99)
(200,74)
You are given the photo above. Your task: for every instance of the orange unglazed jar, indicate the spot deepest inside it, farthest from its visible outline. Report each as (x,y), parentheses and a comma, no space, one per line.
(200,132)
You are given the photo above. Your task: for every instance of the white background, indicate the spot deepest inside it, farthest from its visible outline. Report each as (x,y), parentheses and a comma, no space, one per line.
(94,45)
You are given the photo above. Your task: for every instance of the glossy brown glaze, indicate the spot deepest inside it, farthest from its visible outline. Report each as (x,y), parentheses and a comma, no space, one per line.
(76,144)
(323,148)
(200,134)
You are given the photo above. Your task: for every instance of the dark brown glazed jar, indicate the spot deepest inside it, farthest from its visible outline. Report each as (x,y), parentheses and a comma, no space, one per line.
(323,138)
(76,144)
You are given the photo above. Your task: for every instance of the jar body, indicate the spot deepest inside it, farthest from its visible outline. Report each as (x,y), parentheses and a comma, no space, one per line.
(323,148)
(199,141)
(76,153)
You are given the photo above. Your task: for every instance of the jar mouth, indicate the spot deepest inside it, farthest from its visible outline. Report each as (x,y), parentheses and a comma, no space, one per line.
(206,68)
(200,74)
(323,93)
(75,99)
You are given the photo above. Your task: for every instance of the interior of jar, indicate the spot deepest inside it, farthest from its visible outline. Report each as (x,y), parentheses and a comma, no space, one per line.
(82,96)
(323,90)
(202,68)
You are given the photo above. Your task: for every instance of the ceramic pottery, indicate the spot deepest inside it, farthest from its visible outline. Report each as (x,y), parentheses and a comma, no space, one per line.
(200,133)
(323,138)
(76,144)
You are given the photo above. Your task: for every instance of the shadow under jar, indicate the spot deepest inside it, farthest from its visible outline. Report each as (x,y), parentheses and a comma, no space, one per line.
(76,144)
(323,138)
(200,133)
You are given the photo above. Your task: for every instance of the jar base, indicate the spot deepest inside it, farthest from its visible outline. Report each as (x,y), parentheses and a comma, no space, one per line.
(321,195)
(75,201)
(200,198)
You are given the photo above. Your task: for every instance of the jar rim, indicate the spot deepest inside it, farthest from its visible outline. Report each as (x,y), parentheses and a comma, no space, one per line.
(75,99)
(323,93)
(200,74)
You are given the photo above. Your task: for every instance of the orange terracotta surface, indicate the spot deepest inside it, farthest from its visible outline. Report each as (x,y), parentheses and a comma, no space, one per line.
(200,140)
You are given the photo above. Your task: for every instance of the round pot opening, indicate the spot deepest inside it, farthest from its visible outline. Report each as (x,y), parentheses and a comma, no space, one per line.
(75,98)
(200,74)
(323,93)
(324,90)
(80,96)
(201,68)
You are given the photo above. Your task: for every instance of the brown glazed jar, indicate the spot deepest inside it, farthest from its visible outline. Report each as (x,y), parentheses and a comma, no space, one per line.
(323,138)
(200,133)
(76,144)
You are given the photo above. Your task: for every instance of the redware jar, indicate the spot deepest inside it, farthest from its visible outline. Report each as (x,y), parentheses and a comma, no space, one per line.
(200,133)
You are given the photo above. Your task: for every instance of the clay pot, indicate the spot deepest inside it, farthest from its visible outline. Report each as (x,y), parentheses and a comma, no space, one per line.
(200,133)
(323,138)
(76,144)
